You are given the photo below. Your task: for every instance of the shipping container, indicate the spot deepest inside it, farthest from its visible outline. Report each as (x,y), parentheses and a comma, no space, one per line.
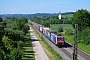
(37,26)
(49,33)
(45,30)
(41,28)
(53,38)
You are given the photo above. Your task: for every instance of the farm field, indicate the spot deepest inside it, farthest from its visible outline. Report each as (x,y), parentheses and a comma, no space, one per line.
(67,15)
(64,26)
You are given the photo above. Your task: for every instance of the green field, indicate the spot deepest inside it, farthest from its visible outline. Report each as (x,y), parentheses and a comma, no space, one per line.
(64,26)
(67,16)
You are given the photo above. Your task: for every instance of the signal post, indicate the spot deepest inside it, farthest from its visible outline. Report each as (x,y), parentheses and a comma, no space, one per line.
(75,42)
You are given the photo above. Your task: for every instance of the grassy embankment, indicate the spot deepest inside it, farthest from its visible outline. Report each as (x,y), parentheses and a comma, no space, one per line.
(70,38)
(51,53)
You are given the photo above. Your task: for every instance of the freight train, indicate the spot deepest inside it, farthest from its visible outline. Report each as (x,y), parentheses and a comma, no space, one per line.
(51,35)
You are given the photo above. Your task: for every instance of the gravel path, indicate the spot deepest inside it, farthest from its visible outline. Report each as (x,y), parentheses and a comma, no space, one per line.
(39,52)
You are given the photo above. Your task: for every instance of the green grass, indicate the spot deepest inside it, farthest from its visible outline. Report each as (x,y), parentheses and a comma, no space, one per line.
(50,49)
(64,26)
(67,16)
(84,47)
(69,38)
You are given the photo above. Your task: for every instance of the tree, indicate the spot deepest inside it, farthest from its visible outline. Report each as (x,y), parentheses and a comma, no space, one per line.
(82,18)
(1,54)
(16,54)
(60,29)
(15,35)
(13,18)
(19,23)
(84,36)
(7,44)
(0,19)
(25,28)
(24,19)
(2,25)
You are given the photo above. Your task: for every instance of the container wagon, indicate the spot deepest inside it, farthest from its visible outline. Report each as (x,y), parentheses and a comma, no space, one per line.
(49,33)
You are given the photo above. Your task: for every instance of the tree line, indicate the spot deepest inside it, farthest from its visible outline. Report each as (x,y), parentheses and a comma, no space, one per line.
(82,18)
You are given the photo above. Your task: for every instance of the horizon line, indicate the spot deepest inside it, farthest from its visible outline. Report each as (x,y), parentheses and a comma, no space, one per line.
(30,13)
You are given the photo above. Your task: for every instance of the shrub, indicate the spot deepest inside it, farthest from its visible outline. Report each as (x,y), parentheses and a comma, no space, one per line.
(16,54)
(69,32)
(84,36)
(60,29)
(1,54)
(20,44)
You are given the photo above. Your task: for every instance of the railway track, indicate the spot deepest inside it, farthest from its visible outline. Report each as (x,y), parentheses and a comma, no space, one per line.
(66,52)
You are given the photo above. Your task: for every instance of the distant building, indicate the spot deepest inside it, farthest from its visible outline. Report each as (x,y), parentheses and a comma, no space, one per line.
(59,15)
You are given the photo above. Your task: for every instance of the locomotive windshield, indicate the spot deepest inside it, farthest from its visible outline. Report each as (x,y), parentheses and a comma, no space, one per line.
(60,38)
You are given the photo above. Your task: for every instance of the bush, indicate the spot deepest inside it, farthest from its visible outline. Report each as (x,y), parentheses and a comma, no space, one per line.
(20,44)
(25,28)
(60,29)
(16,54)
(1,55)
(15,35)
(69,32)
(84,36)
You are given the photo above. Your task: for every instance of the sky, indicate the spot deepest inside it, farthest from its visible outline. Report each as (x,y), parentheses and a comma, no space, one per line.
(42,6)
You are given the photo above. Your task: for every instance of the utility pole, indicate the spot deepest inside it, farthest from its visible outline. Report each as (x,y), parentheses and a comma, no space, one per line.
(63,26)
(75,42)
(42,28)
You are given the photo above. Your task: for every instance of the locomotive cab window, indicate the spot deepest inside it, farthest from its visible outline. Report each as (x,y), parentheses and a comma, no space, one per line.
(60,38)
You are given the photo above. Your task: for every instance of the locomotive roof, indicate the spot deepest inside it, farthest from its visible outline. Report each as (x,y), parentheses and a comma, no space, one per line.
(46,28)
(57,34)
